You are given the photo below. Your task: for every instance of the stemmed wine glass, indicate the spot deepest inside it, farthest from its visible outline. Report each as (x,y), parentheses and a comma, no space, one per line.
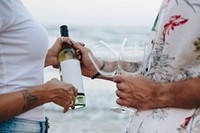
(131,57)
(102,53)
(128,61)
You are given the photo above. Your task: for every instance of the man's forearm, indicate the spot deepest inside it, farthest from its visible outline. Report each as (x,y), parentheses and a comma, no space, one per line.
(184,94)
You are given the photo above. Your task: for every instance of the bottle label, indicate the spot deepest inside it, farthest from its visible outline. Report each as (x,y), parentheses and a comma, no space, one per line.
(71,73)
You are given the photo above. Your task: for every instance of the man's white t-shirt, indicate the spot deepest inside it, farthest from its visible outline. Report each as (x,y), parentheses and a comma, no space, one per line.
(23,46)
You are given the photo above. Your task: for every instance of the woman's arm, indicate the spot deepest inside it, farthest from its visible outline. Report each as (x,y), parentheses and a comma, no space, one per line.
(15,103)
(87,67)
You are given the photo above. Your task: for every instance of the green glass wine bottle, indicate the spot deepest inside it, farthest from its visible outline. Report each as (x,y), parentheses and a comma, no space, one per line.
(70,71)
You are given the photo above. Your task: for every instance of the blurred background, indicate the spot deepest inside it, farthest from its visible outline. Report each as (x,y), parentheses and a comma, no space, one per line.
(90,21)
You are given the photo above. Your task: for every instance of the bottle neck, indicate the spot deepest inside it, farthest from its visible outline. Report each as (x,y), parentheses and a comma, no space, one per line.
(65,46)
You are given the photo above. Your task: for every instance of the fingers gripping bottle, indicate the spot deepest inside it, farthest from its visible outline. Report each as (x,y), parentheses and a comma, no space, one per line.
(70,71)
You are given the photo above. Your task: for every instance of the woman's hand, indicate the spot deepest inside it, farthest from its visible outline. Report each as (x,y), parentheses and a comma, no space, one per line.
(87,66)
(52,54)
(61,93)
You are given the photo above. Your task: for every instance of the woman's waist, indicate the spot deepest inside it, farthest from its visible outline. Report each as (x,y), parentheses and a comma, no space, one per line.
(35,114)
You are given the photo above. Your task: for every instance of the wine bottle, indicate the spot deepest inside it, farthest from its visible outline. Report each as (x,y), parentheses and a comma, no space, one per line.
(70,71)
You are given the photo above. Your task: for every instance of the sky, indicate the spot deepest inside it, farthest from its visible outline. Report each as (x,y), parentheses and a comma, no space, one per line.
(94,12)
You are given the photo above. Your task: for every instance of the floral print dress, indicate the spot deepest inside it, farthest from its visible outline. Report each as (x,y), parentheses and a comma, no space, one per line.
(174,55)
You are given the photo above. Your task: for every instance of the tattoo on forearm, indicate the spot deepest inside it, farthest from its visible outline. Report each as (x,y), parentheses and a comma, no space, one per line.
(30,100)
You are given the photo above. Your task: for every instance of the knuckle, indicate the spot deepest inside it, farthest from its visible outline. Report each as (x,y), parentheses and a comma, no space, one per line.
(70,86)
(117,93)
(55,79)
(58,39)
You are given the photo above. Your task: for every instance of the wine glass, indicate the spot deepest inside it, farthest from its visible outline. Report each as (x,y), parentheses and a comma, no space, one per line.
(131,57)
(102,53)
(128,61)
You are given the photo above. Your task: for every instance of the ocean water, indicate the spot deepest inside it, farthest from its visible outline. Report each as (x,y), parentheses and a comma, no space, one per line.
(96,117)
(113,35)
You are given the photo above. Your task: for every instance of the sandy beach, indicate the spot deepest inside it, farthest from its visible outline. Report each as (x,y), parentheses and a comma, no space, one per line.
(96,117)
